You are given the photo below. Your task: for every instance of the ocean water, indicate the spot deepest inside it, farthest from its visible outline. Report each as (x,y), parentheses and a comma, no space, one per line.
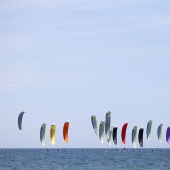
(34,159)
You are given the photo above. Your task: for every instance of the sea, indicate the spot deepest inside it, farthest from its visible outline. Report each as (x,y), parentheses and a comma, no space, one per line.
(84,159)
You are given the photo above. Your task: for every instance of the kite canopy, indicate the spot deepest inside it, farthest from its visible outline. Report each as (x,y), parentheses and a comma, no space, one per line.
(20,120)
(52,134)
(149,130)
(168,135)
(102,131)
(140,137)
(134,137)
(159,133)
(110,136)
(95,124)
(42,134)
(65,131)
(124,133)
(107,125)
(115,135)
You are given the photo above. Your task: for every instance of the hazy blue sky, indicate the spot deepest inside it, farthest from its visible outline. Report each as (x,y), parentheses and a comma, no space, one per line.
(63,60)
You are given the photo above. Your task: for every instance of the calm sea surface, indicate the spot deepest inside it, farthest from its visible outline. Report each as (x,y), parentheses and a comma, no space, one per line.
(88,159)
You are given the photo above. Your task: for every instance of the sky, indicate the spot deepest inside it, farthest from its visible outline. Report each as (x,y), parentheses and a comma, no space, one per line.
(67,60)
